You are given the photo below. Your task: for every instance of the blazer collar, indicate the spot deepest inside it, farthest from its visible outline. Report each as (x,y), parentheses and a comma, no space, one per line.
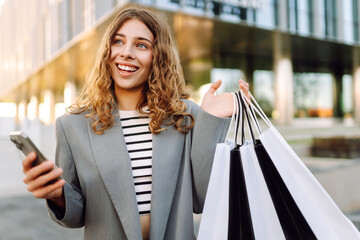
(167,156)
(114,165)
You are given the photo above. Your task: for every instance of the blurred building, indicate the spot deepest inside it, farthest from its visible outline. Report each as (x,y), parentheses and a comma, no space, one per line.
(302,57)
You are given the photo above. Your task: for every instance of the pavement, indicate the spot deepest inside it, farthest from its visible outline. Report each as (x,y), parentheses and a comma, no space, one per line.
(24,217)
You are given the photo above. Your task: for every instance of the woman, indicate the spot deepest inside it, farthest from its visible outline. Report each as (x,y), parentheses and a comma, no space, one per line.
(134,155)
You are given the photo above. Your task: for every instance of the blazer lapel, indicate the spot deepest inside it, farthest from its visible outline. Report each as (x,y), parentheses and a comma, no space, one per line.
(114,165)
(167,156)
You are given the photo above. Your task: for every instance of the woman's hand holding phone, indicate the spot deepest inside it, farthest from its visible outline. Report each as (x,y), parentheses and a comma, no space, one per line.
(42,180)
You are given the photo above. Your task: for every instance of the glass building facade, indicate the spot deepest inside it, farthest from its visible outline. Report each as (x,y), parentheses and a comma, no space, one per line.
(300,56)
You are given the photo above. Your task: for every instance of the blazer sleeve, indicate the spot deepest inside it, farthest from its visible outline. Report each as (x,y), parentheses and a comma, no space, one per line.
(207,132)
(73,217)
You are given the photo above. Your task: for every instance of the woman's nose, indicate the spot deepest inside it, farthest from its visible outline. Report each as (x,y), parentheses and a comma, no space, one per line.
(127,51)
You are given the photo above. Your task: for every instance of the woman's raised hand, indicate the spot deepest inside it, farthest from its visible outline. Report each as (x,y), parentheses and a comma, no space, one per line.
(221,105)
(37,179)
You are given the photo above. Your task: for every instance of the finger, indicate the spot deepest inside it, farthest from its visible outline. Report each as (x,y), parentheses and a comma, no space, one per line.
(215,86)
(27,162)
(44,179)
(242,81)
(245,87)
(34,172)
(50,191)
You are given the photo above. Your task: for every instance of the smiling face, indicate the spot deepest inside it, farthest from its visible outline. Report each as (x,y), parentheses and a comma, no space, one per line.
(131,57)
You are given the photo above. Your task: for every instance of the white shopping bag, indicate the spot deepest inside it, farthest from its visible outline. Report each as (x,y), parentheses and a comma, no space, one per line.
(319,210)
(215,216)
(214,220)
(265,222)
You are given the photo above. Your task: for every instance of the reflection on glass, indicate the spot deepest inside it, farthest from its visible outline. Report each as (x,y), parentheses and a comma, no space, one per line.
(300,17)
(292,16)
(348,21)
(168,4)
(264,90)
(265,16)
(355,23)
(330,18)
(347,95)
(313,95)
(304,16)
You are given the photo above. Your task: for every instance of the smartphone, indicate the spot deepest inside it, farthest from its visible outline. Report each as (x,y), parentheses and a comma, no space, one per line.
(24,144)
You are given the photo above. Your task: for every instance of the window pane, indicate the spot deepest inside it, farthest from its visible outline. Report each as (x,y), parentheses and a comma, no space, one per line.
(348,21)
(347,94)
(292,16)
(264,90)
(168,4)
(303,13)
(313,95)
(265,16)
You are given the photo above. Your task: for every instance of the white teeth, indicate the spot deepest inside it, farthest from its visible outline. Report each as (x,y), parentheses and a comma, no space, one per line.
(127,68)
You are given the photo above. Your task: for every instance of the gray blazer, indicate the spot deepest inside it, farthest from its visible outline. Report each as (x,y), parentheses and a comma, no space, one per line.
(99,190)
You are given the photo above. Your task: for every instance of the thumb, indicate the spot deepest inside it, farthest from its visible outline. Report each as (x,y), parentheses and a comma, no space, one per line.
(215,86)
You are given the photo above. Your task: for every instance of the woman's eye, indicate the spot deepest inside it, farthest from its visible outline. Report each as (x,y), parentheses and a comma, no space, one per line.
(118,41)
(141,45)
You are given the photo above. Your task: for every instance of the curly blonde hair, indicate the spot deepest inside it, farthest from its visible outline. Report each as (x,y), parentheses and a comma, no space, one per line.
(162,92)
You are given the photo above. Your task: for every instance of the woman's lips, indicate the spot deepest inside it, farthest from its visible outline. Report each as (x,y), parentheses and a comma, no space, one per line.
(127,68)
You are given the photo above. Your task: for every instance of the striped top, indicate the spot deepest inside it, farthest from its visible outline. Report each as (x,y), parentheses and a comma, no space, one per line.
(138,140)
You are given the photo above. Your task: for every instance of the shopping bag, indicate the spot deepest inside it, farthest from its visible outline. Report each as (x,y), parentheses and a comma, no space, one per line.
(240,223)
(320,211)
(304,208)
(291,219)
(214,220)
(264,219)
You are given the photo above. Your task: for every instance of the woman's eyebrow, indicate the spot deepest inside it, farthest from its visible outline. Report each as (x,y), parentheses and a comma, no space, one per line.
(144,39)
(138,38)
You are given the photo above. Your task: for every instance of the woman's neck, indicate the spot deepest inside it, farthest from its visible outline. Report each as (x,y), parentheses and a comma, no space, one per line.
(128,100)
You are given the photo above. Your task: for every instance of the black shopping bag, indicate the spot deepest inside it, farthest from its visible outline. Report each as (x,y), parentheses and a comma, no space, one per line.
(240,224)
(303,208)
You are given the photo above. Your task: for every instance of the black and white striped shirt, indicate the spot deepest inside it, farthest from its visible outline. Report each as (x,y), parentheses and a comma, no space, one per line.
(138,140)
